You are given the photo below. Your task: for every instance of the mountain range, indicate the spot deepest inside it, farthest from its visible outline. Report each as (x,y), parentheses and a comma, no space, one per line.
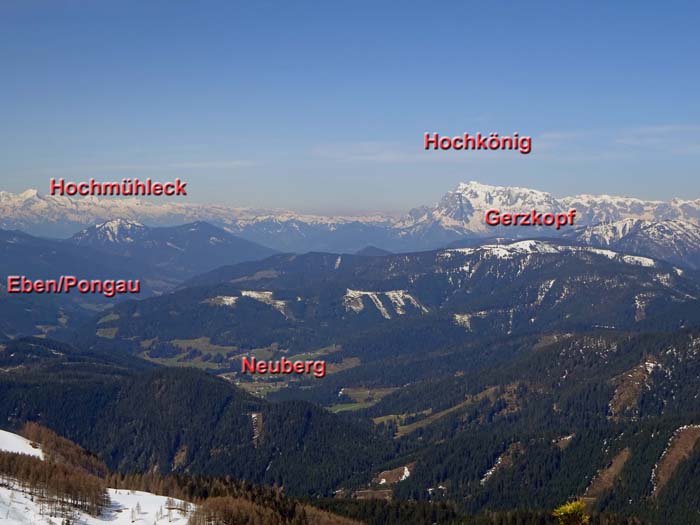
(177,251)
(458,214)
(160,258)
(289,305)
(461,211)
(676,241)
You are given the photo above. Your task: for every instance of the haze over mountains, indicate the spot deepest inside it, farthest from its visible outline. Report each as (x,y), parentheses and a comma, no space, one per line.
(458,214)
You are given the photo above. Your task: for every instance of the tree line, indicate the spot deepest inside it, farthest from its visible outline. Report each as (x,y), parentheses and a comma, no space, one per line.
(63,486)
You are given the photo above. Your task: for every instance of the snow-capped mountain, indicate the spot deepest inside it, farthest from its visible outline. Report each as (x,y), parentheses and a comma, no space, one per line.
(675,241)
(605,208)
(461,211)
(605,234)
(459,214)
(116,231)
(55,216)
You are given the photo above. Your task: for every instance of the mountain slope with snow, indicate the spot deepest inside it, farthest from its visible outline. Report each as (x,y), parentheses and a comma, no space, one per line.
(18,507)
(10,442)
(116,231)
(675,241)
(19,504)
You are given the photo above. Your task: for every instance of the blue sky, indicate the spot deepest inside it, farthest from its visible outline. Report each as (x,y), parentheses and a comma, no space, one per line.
(322,106)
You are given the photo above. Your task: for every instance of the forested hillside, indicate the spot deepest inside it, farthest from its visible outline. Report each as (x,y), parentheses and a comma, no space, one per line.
(135,419)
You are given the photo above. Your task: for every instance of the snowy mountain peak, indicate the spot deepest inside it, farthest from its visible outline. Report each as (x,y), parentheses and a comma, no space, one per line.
(607,233)
(461,211)
(676,241)
(474,188)
(120,224)
(112,231)
(28,194)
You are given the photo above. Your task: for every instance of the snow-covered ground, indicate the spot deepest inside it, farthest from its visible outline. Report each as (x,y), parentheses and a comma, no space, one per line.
(17,508)
(126,507)
(10,442)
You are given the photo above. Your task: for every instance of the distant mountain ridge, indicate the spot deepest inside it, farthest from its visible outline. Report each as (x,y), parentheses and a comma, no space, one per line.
(160,258)
(62,216)
(675,241)
(460,213)
(179,251)
(373,251)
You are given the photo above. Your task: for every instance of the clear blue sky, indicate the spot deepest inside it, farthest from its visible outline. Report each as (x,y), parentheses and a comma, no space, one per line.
(322,106)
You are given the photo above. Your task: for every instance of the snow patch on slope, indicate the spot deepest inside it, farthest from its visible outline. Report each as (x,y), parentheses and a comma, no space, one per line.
(18,507)
(222,300)
(465,320)
(267,298)
(399,299)
(527,247)
(10,442)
